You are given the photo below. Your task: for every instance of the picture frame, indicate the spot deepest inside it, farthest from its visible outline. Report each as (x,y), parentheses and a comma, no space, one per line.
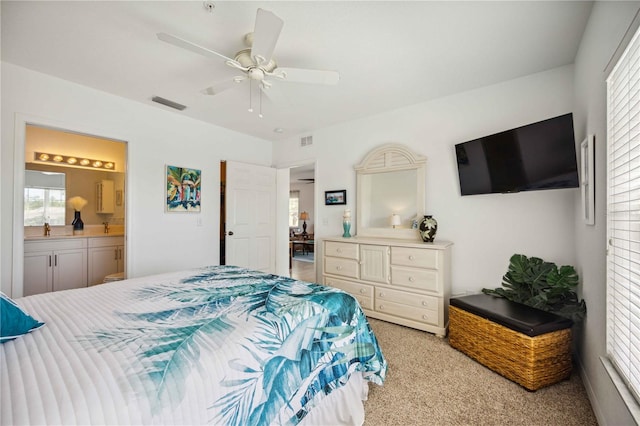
(183,191)
(338,197)
(587,179)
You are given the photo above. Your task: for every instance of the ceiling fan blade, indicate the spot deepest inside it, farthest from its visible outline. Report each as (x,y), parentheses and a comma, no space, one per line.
(177,41)
(298,75)
(265,35)
(218,87)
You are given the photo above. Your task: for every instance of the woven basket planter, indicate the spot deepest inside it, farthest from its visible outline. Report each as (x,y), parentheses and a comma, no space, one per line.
(533,362)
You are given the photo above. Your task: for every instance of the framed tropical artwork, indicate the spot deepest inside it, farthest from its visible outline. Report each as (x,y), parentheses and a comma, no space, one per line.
(183,189)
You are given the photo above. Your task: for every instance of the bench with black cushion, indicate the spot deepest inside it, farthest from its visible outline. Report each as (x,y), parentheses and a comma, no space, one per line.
(527,345)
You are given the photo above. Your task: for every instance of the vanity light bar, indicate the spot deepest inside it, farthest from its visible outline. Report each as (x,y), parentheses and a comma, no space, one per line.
(68,160)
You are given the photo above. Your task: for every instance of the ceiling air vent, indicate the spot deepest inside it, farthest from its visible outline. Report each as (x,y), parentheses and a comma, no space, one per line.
(168,103)
(306,140)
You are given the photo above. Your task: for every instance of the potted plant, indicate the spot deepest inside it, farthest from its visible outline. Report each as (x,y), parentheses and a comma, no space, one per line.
(542,285)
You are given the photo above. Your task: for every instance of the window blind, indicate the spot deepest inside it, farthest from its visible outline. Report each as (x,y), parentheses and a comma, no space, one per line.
(623,216)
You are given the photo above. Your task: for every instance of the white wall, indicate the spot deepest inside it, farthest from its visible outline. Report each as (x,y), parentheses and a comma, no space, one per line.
(605,30)
(156,241)
(486,229)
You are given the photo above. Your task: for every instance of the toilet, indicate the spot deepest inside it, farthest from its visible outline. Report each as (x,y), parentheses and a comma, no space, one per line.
(114,277)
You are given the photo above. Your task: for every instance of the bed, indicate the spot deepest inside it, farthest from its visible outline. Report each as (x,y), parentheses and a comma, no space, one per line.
(215,345)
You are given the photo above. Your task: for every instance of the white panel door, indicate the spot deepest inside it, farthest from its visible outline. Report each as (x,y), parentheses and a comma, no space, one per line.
(251,216)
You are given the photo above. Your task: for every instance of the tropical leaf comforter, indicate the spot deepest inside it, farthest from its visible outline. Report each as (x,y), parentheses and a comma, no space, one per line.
(218,345)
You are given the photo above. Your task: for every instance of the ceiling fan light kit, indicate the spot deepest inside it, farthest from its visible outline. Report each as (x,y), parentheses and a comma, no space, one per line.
(256,61)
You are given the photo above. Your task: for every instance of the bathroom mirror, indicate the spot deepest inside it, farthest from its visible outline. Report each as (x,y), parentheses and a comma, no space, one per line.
(390,181)
(44,198)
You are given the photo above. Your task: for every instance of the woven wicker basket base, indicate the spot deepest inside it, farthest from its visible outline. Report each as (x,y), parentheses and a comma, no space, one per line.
(533,362)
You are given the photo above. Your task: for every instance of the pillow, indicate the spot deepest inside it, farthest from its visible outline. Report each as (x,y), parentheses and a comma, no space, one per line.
(14,322)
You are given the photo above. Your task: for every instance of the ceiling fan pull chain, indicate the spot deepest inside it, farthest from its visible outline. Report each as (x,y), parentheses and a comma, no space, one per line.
(260,113)
(250,109)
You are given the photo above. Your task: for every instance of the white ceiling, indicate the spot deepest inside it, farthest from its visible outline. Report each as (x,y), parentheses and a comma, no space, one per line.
(389,54)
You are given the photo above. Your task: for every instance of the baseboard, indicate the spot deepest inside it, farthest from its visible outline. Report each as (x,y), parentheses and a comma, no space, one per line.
(595,406)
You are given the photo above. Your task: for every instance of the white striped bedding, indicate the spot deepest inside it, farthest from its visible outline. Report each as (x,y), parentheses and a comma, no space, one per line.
(128,353)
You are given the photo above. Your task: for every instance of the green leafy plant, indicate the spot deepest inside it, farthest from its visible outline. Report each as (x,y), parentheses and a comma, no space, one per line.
(542,285)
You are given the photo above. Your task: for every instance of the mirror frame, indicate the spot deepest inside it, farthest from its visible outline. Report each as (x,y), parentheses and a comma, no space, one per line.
(389,158)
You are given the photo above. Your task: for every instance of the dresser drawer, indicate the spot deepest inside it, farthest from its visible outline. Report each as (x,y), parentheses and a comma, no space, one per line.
(410,312)
(344,250)
(419,258)
(342,267)
(406,298)
(421,279)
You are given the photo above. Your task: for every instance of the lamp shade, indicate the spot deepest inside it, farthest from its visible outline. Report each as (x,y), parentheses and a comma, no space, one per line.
(304,216)
(395,220)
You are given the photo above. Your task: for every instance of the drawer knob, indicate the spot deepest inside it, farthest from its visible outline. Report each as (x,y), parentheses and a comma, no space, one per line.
(424,317)
(339,268)
(381,307)
(411,257)
(424,303)
(339,250)
(411,279)
(363,291)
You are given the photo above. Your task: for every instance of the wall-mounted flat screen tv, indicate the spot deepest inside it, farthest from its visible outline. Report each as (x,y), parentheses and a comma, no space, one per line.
(537,156)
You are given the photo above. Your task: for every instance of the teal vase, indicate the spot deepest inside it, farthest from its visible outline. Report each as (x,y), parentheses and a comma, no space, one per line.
(346,225)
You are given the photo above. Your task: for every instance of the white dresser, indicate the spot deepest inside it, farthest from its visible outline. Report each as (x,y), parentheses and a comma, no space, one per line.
(403,282)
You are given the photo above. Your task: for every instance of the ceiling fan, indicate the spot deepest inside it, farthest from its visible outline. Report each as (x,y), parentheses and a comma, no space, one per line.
(256,62)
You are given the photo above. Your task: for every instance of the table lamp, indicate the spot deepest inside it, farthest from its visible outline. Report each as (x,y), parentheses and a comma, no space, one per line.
(395,220)
(304,216)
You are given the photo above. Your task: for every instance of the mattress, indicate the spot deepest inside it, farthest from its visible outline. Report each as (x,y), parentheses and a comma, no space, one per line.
(215,345)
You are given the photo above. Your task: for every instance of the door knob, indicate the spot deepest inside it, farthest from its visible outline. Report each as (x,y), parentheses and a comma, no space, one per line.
(230,233)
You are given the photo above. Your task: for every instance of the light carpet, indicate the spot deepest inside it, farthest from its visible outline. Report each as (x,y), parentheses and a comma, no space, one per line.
(430,383)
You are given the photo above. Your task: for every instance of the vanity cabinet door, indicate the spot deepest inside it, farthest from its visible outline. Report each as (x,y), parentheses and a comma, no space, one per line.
(106,257)
(103,261)
(38,273)
(69,269)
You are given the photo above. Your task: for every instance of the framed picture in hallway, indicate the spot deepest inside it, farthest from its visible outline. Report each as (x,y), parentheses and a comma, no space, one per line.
(183,189)
(335,197)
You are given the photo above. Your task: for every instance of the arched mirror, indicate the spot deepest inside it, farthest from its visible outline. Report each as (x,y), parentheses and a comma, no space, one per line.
(390,193)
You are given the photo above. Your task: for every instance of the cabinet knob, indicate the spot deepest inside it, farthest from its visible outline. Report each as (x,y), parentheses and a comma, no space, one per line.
(411,279)
(381,294)
(411,257)
(339,250)
(363,291)
(381,307)
(424,317)
(339,268)
(424,303)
